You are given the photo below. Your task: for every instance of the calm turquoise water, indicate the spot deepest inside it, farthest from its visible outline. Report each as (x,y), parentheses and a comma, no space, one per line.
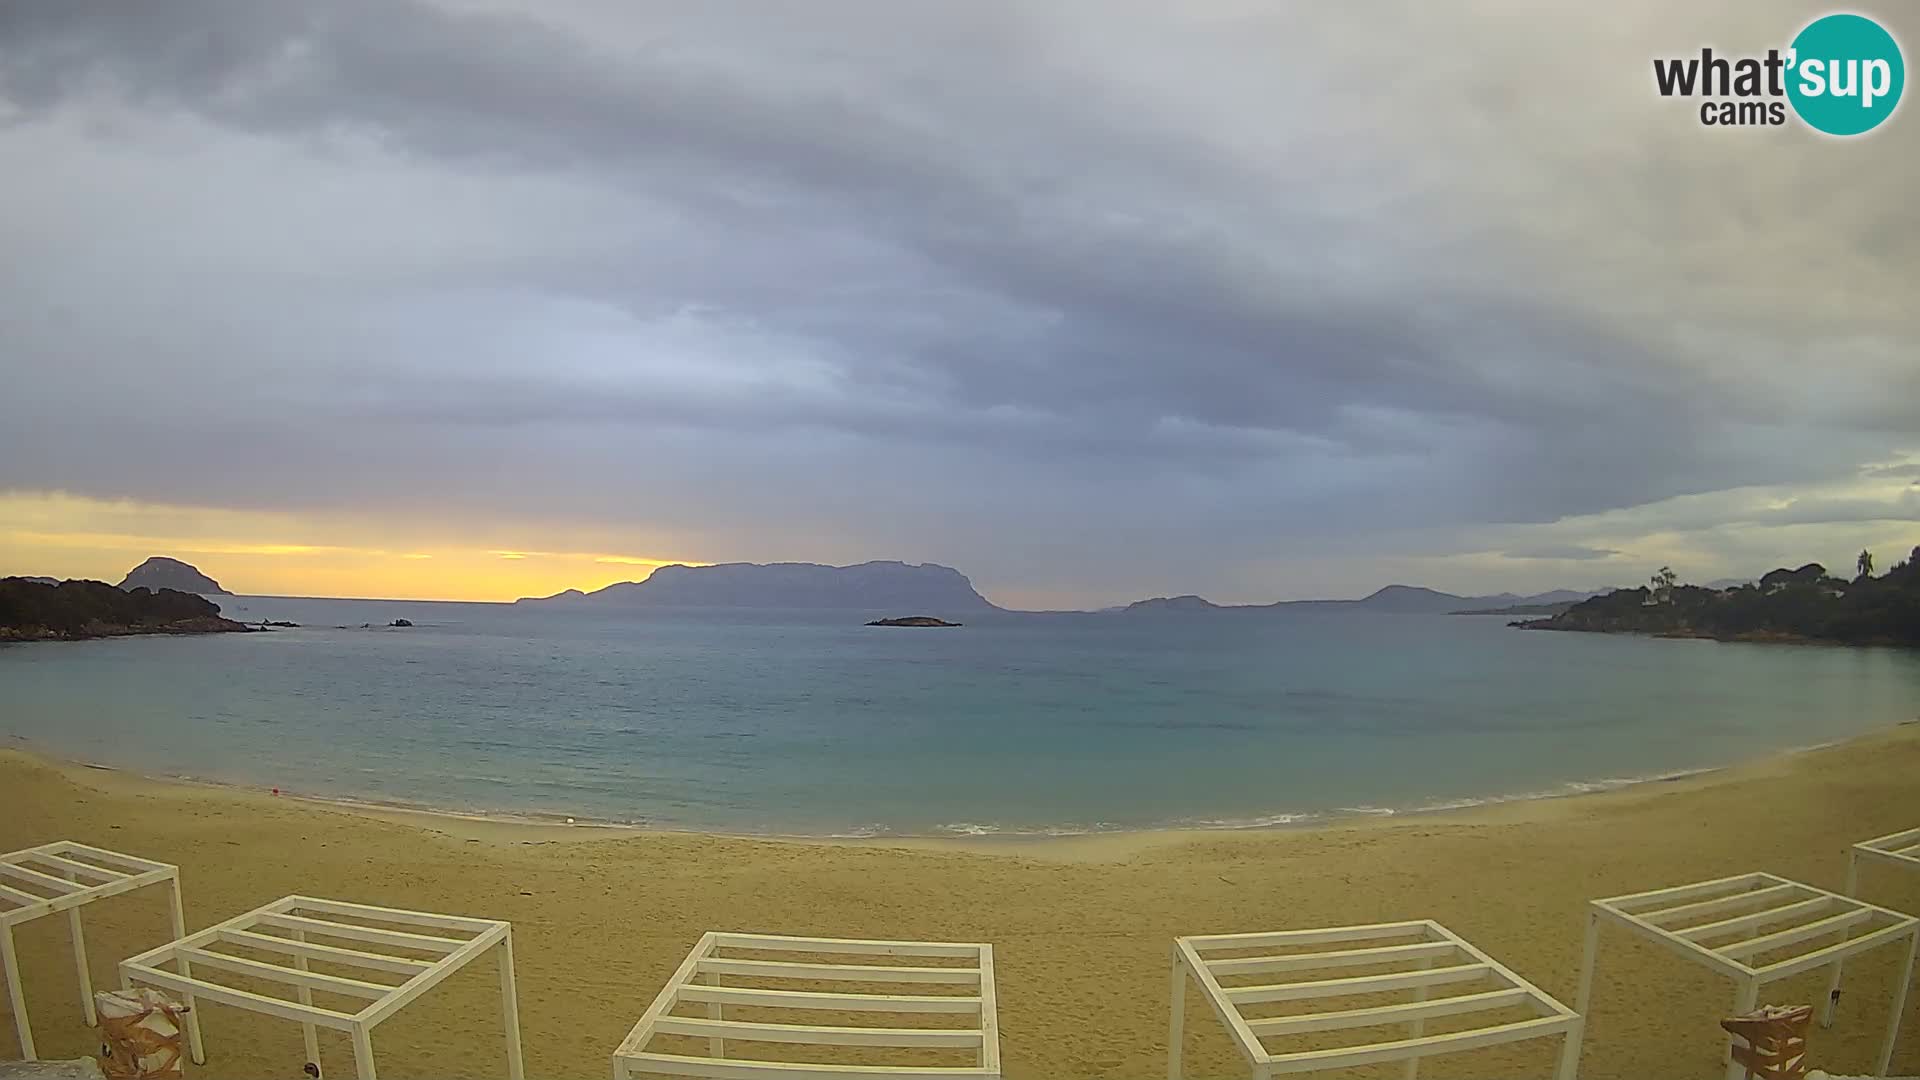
(811,723)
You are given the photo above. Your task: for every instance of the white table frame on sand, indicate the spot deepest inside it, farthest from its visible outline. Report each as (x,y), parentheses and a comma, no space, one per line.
(68,876)
(298,919)
(706,963)
(1459,963)
(1755,915)
(1900,849)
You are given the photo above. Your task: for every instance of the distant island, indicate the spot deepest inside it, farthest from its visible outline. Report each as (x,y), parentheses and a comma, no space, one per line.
(160,572)
(1188,603)
(869,586)
(1393,599)
(913,620)
(881,585)
(1802,604)
(76,610)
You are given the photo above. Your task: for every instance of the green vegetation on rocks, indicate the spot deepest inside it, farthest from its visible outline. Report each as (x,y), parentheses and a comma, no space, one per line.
(1803,604)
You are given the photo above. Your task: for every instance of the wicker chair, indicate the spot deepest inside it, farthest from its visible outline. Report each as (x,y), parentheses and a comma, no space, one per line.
(1775,1041)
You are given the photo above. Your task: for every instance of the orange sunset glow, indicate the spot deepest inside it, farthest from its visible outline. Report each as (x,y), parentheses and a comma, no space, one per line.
(289,554)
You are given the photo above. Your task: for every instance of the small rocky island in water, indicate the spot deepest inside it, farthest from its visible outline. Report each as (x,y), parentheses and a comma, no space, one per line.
(160,572)
(913,620)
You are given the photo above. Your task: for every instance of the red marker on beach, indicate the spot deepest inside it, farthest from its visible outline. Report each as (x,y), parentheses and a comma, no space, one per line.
(276,791)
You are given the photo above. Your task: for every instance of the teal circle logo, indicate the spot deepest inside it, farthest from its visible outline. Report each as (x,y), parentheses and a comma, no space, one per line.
(1845,74)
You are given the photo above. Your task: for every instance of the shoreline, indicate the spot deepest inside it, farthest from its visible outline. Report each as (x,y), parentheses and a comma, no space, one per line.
(962,833)
(1745,637)
(1080,925)
(188,628)
(486,826)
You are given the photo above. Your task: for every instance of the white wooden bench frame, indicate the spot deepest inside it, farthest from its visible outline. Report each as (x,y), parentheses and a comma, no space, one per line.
(1460,962)
(1900,849)
(69,876)
(304,917)
(705,963)
(1757,914)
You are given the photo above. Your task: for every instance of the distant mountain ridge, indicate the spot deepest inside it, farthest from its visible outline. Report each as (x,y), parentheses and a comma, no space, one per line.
(930,588)
(1393,599)
(905,588)
(160,572)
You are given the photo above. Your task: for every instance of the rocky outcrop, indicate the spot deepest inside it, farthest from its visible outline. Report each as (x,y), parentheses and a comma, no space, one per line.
(160,572)
(913,620)
(74,610)
(1787,605)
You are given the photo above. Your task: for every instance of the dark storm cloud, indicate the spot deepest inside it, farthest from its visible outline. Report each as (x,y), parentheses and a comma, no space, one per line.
(1034,263)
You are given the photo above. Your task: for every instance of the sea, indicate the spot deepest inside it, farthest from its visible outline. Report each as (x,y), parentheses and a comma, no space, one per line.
(811,723)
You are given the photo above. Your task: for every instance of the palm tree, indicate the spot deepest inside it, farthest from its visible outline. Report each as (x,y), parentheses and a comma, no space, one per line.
(1865,563)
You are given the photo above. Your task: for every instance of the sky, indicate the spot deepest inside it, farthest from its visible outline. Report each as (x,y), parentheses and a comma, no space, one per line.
(1097,300)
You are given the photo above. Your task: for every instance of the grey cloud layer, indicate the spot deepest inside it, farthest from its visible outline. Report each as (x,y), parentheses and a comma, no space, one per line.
(1283,274)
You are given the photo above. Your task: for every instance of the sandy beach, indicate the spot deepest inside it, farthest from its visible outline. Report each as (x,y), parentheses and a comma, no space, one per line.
(1081,925)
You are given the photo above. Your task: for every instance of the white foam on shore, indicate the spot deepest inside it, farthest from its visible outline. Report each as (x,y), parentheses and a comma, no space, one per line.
(1565,790)
(1269,821)
(1435,806)
(881,830)
(968,828)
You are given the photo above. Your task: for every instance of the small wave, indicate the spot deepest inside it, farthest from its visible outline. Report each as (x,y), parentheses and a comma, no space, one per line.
(1440,805)
(1435,806)
(873,830)
(1265,821)
(968,828)
(1569,788)
(857,832)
